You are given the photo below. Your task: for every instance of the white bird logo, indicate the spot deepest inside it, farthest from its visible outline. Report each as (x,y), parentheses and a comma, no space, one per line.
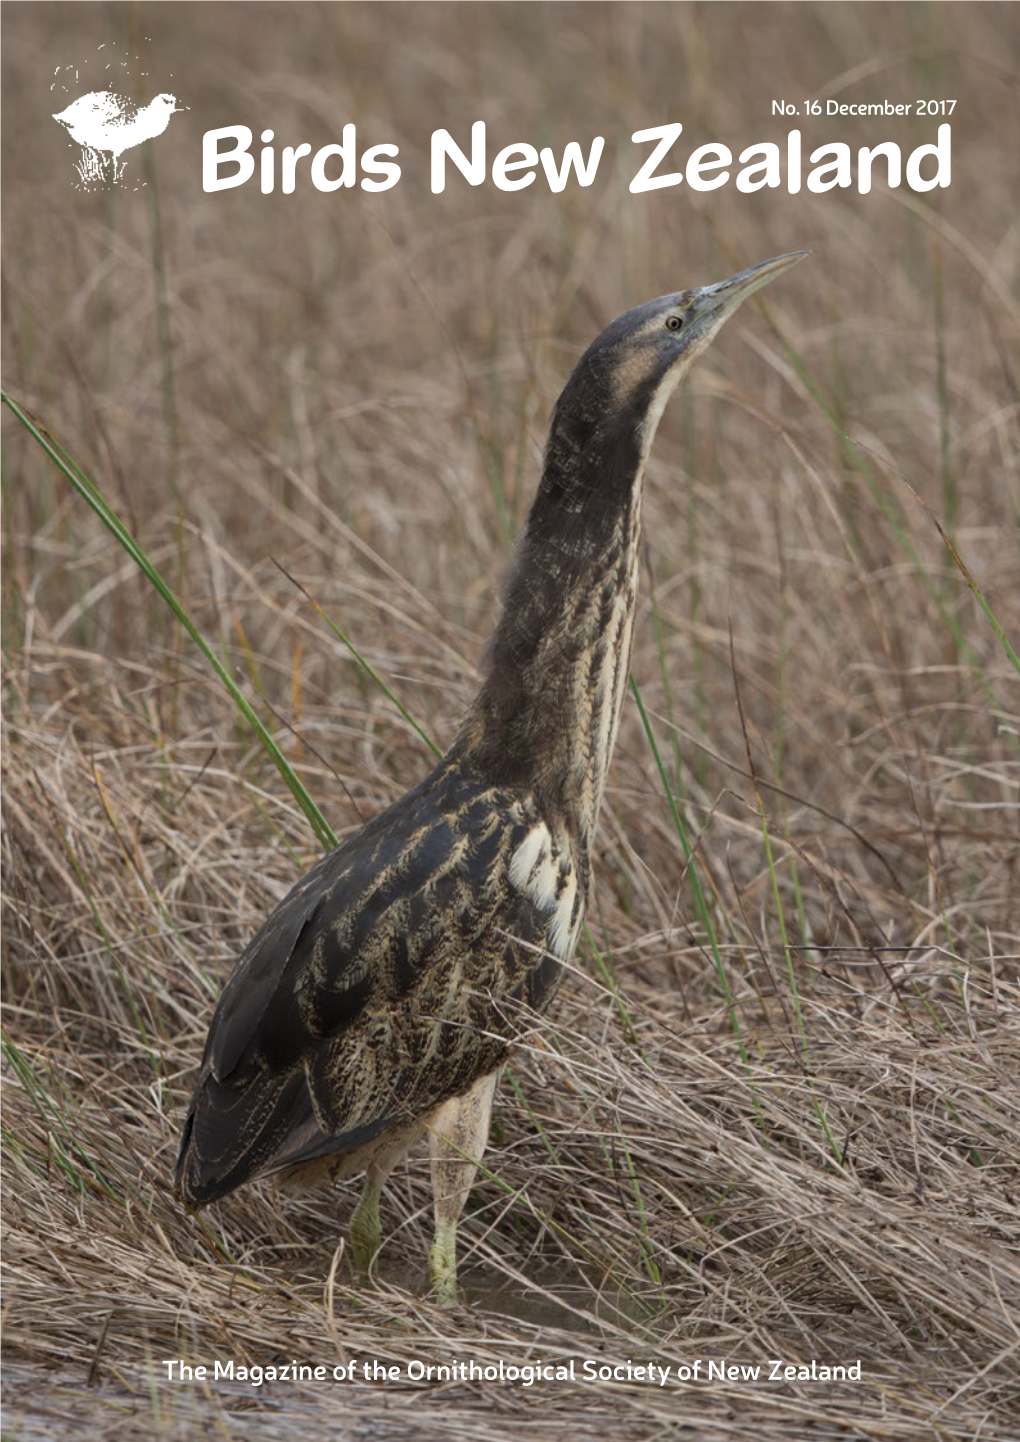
(104,122)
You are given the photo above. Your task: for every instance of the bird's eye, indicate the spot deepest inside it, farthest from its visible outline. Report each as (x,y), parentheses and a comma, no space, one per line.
(674,322)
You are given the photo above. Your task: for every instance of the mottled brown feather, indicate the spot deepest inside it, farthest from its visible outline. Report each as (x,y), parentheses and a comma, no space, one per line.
(389,978)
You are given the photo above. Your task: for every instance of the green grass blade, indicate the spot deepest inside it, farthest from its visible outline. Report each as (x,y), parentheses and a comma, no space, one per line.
(699,896)
(364,664)
(94,497)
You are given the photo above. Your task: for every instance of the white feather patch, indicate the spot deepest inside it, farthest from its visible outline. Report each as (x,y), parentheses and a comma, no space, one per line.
(544,873)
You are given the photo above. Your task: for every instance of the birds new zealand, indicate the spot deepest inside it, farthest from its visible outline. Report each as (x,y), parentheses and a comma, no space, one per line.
(106,121)
(380,1000)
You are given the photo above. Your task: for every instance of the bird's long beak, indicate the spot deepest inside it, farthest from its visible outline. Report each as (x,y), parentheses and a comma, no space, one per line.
(721,300)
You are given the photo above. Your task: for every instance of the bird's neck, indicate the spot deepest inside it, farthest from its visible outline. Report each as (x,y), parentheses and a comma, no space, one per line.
(547,712)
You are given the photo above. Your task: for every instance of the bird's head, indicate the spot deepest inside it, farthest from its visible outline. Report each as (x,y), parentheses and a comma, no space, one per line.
(629,372)
(166,101)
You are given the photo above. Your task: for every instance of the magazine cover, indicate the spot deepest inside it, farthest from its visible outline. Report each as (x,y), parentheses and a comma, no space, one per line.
(511,836)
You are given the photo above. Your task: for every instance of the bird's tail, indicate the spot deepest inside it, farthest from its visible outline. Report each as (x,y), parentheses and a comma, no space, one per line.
(234,1131)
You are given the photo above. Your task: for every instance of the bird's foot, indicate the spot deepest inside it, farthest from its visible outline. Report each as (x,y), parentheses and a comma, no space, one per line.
(443,1264)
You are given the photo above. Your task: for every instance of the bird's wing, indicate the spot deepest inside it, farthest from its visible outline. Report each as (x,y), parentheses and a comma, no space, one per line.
(114,120)
(102,105)
(387,981)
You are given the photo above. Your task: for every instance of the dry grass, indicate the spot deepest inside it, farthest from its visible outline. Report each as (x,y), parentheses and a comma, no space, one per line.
(356,388)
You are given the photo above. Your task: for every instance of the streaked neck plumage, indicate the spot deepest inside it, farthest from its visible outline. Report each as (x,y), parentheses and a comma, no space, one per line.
(547,712)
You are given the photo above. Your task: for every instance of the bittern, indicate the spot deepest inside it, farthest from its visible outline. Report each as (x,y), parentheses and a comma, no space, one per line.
(379,1001)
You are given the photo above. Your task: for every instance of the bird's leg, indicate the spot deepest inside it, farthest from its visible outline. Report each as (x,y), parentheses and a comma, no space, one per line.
(458,1132)
(365,1231)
